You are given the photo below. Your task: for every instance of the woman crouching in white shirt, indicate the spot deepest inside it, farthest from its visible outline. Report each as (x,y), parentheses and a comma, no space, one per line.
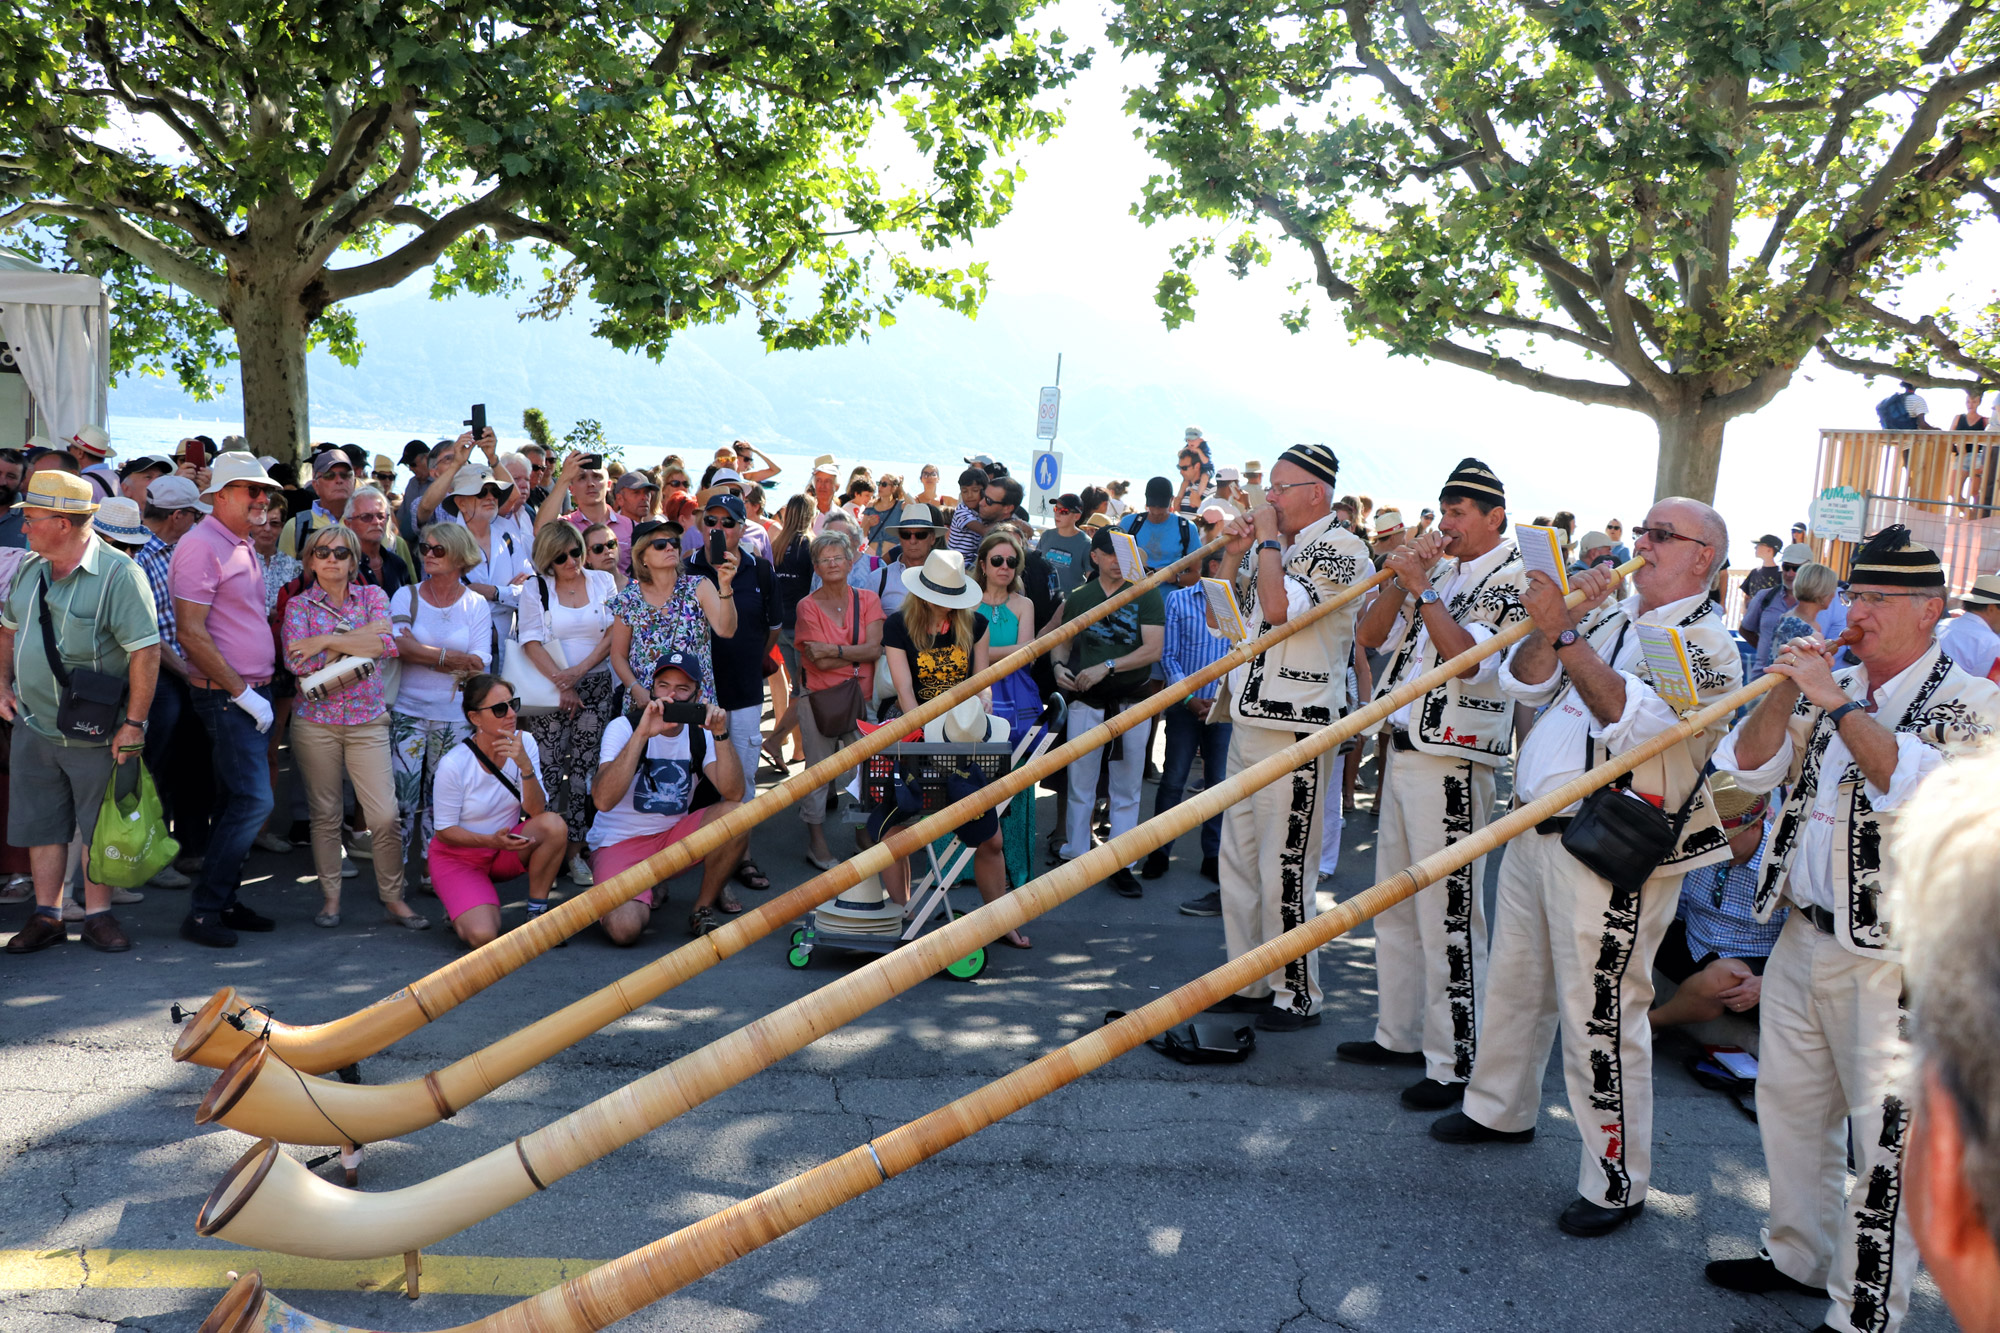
(493,821)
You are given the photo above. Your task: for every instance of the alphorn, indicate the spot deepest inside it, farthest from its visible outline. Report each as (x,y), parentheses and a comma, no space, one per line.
(221,1028)
(625,1285)
(292,1107)
(269,1200)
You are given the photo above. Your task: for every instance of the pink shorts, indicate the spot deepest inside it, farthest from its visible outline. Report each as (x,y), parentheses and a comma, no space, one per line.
(608,861)
(463,877)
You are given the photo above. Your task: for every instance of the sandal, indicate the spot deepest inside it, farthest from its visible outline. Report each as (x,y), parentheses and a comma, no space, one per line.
(726,903)
(750,877)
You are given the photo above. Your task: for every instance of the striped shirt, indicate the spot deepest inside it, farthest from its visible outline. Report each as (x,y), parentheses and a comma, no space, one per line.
(154,558)
(1190,644)
(1718,914)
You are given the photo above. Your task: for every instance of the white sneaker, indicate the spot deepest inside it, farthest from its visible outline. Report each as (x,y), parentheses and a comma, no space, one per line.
(72,910)
(579,872)
(272,842)
(19,889)
(125,897)
(361,849)
(169,878)
(348,870)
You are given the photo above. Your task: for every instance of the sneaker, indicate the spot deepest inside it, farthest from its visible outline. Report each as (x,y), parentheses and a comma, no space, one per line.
(1209,904)
(19,889)
(236,916)
(269,841)
(207,930)
(579,872)
(1125,884)
(1156,864)
(102,933)
(300,832)
(702,920)
(126,897)
(190,865)
(348,870)
(168,878)
(72,910)
(360,846)
(1211,869)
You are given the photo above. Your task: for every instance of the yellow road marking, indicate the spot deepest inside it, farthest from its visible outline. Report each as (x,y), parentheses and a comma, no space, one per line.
(444,1274)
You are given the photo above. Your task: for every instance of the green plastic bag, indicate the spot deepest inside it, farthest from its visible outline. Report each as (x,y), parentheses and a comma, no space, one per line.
(131,844)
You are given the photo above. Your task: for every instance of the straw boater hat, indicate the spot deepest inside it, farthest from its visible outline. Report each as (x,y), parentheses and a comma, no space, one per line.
(1985,591)
(942,581)
(1893,559)
(118,520)
(235,466)
(1097,521)
(1253,468)
(93,441)
(58,491)
(1388,522)
(1473,480)
(1734,806)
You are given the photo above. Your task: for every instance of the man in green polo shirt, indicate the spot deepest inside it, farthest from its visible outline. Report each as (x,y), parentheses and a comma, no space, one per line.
(101,611)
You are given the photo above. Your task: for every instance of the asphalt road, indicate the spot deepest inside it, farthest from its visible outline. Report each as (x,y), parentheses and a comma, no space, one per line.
(1287,1193)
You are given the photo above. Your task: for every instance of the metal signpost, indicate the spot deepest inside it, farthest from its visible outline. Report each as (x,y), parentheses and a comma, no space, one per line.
(1045,467)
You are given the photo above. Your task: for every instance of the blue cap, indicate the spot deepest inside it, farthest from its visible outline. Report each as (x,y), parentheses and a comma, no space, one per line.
(686,663)
(729,504)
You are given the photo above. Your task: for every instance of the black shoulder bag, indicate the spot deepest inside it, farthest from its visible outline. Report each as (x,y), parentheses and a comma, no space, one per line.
(92,703)
(1618,833)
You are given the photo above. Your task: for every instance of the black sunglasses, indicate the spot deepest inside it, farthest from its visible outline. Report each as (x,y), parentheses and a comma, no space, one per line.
(332,553)
(664,544)
(720,522)
(1003,562)
(599,548)
(917,534)
(432,548)
(501,709)
(563,557)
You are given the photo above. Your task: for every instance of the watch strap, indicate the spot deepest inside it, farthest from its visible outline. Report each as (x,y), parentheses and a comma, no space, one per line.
(1566,638)
(1271,544)
(1842,711)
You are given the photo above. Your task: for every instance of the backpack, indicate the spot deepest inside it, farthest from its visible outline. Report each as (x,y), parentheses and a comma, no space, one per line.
(1133,520)
(1894,412)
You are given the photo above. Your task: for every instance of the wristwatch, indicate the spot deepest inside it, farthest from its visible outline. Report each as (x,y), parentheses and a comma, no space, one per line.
(1567,638)
(1269,545)
(138,722)
(1428,596)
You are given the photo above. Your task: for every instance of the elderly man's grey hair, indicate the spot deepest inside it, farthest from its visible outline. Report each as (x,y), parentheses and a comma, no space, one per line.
(1946,913)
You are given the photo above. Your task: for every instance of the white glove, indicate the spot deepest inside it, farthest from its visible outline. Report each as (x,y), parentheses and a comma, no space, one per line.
(257,706)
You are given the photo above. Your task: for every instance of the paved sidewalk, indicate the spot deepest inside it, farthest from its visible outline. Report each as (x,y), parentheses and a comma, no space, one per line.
(1287,1193)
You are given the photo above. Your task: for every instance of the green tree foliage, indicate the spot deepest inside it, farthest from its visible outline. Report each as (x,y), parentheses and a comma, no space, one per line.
(245,167)
(535,423)
(1659,205)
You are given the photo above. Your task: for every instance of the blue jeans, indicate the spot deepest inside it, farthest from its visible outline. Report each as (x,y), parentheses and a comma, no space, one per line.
(243,784)
(1186,734)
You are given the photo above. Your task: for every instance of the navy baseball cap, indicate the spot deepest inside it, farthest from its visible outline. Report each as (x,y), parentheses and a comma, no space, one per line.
(731,505)
(686,663)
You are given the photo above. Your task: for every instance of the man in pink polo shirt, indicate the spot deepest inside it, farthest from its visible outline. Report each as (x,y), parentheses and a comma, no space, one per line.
(218,587)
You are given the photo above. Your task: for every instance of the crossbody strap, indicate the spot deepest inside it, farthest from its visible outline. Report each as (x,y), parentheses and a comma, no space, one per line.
(56,667)
(491,767)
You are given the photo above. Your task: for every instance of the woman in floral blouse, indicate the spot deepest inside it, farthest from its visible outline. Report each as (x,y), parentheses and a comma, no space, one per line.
(665,609)
(347,731)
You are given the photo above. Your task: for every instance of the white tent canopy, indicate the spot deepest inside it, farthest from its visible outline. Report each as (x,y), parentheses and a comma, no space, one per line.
(58,327)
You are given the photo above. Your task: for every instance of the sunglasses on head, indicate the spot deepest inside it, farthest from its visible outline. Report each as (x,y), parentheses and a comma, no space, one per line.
(599,548)
(724,522)
(501,709)
(1003,562)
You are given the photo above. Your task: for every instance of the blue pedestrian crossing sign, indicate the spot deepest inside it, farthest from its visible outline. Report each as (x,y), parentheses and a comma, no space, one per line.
(1045,471)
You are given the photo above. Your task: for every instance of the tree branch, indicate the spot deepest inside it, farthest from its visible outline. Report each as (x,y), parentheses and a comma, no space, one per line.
(423,250)
(1922,378)
(180,269)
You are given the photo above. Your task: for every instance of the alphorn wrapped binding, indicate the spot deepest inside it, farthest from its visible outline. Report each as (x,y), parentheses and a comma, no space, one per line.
(269,1201)
(222,1027)
(627,1284)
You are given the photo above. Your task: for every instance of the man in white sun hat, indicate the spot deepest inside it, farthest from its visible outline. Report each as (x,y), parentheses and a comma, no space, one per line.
(1971,639)
(218,587)
(76,605)
(91,447)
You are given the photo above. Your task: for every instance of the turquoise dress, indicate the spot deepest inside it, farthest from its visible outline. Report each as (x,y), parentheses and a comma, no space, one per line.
(1017,826)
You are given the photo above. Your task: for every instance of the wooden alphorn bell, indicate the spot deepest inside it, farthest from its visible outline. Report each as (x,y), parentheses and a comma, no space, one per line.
(269,1200)
(627,1284)
(290,1106)
(223,1026)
